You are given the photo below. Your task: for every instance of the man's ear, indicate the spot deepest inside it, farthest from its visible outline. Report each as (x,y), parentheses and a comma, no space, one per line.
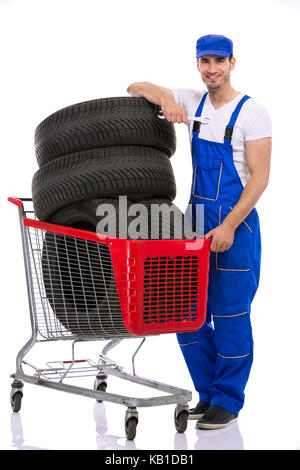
(198,64)
(232,63)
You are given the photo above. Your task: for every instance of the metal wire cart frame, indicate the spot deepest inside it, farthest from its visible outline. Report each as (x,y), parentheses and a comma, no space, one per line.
(84,286)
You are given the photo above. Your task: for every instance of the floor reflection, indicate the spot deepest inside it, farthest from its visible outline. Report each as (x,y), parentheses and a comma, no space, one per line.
(108,441)
(180,441)
(220,439)
(17,433)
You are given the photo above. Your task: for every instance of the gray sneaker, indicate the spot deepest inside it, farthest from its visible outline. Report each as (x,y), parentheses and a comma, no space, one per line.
(216,417)
(199,410)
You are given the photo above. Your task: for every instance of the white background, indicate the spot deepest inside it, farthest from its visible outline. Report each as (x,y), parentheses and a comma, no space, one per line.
(55,53)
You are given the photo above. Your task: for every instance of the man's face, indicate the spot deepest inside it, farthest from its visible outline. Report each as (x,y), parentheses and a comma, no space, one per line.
(215,70)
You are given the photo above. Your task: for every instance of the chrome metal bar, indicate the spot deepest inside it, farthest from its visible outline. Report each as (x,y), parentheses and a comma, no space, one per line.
(28,275)
(132,360)
(178,396)
(110,345)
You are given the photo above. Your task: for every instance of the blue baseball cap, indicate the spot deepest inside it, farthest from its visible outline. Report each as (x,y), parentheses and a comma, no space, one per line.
(214,44)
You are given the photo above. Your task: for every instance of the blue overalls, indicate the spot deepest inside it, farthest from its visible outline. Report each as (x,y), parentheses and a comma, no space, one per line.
(219,355)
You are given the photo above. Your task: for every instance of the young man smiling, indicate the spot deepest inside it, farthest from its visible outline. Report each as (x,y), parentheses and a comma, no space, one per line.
(231,150)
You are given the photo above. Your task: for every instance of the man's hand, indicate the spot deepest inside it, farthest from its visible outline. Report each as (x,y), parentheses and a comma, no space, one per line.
(173,111)
(164,97)
(222,237)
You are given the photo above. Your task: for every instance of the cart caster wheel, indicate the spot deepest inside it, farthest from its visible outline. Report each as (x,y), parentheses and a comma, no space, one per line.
(100,384)
(130,428)
(181,420)
(15,401)
(131,421)
(16,395)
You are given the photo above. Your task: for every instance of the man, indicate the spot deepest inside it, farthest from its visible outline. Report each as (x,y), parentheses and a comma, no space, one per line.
(231,151)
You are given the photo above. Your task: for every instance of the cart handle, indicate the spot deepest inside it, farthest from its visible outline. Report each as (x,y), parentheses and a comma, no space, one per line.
(76,232)
(17,202)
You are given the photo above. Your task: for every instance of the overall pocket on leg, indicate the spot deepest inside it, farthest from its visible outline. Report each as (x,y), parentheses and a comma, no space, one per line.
(233,335)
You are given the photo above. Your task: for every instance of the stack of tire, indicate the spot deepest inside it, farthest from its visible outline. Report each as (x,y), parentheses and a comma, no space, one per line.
(91,153)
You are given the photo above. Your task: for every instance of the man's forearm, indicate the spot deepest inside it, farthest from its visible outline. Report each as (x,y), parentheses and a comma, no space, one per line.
(153,93)
(249,197)
(163,97)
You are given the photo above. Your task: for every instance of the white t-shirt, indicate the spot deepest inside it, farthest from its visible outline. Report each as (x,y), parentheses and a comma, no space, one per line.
(253,123)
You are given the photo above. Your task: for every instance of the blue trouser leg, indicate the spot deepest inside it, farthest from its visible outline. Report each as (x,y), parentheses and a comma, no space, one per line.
(199,351)
(219,358)
(231,293)
(234,345)
(220,377)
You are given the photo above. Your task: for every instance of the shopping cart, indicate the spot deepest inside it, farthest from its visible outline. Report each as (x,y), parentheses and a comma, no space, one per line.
(84,286)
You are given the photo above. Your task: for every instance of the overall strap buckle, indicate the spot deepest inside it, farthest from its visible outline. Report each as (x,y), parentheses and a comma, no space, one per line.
(196,126)
(228,132)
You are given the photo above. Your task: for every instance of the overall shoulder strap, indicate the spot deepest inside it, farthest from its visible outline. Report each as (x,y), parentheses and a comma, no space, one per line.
(197,124)
(234,116)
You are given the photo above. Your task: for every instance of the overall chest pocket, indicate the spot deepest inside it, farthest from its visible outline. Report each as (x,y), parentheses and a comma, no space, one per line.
(207,173)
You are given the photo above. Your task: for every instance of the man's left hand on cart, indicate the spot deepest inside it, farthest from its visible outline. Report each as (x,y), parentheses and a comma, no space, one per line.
(222,237)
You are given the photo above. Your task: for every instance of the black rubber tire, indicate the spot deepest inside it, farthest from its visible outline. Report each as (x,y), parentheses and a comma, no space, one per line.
(83,215)
(101,123)
(172,228)
(138,172)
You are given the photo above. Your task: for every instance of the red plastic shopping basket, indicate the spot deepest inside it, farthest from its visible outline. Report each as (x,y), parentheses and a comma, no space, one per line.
(161,284)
